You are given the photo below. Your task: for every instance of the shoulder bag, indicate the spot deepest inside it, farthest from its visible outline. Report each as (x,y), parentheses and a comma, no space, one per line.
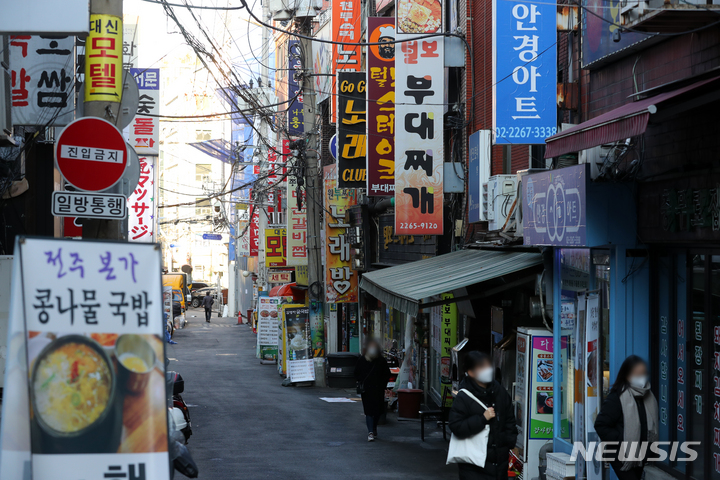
(473,449)
(361,385)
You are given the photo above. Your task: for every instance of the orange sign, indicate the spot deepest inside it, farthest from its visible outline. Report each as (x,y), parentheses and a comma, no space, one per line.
(346,27)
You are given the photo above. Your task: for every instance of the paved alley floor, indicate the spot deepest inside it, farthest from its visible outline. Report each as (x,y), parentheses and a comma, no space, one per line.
(246,425)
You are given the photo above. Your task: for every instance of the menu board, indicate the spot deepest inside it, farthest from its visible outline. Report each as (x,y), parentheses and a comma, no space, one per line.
(87,351)
(269,313)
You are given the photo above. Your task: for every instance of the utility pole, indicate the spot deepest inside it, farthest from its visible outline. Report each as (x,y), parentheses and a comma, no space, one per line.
(312,179)
(108,110)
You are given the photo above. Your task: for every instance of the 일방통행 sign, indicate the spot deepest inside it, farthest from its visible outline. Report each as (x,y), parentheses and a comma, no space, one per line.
(420,97)
(524,72)
(87,359)
(351,129)
(381,107)
(89,205)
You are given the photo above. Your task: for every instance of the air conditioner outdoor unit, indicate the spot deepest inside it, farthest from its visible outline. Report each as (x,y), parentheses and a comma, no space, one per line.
(498,196)
(522,203)
(595,156)
(288,9)
(631,10)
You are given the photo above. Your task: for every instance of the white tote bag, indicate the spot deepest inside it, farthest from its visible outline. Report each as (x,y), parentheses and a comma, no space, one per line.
(473,449)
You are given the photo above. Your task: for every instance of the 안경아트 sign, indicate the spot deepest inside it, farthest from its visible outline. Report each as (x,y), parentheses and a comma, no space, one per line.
(85,381)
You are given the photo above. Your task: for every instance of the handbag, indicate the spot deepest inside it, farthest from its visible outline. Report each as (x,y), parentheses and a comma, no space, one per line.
(360,387)
(473,449)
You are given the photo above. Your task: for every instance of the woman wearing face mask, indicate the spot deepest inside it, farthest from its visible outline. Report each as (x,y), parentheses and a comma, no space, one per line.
(629,414)
(468,417)
(372,374)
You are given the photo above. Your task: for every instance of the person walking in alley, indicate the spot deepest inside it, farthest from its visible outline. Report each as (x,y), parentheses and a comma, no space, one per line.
(372,374)
(483,402)
(207,303)
(629,414)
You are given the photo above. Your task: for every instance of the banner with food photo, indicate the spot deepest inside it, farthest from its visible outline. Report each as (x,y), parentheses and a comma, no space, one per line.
(298,340)
(87,325)
(270,311)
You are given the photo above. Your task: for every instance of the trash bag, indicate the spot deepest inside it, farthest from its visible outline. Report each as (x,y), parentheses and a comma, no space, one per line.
(184,463)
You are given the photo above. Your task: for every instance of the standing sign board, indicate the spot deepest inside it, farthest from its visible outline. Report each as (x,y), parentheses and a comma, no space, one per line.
(141,222)
(524,71)
(89,205)
(381,107)
(269,314)
(87,319)
(351,129)
(593,378)
(420,97)
(103,59)
(42,73)
(145,129)
(298,340)
(296,223)
(341,282)
(91,154)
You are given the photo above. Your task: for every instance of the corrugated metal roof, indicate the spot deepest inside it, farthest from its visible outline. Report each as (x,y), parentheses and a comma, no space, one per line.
(403,287)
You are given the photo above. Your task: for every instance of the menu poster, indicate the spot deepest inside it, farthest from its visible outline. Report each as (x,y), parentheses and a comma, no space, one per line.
(592,378)
(87,350)
(269,313)
(298,340)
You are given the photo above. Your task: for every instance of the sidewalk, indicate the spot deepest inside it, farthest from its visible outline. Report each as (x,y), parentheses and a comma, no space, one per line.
(246,425)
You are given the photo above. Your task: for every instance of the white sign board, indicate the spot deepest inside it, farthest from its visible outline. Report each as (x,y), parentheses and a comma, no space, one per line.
(144,129)
(42,73)
(41,17)
(89,205)
(142,205)
(269,312)
(301,370)
(87,317)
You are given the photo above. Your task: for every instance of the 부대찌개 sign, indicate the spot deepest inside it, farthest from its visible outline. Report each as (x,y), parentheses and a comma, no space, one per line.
(91,316)
(420,97)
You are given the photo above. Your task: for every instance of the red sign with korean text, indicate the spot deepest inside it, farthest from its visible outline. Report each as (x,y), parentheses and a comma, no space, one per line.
(91,154)
(346,28)
(381,108)
(141,204)
(254,230)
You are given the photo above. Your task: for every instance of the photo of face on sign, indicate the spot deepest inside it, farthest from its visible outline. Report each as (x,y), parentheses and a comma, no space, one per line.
(96,393)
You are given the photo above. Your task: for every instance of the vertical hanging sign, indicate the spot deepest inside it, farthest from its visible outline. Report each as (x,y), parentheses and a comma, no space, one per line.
(381,107)
(419,92)
(141,204)
(341,283)
(346,28)
(351,129)
(104,59)
(145,127)
(41,71)
(524,78)
(295,112)
(296,223)
(254,229)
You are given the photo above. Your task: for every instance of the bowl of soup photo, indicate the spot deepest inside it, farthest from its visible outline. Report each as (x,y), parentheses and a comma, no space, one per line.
(73,393)
(136,360)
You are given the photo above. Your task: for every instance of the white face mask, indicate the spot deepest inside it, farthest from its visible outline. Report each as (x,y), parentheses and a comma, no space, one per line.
(639,381)
(485,375)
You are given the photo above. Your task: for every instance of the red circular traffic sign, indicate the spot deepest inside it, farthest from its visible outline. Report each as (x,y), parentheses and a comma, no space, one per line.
(91,154)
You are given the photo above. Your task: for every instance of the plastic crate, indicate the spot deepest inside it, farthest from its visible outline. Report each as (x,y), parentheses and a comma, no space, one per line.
(559,466)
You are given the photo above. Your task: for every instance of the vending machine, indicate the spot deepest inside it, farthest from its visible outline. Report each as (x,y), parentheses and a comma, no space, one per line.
(534,398)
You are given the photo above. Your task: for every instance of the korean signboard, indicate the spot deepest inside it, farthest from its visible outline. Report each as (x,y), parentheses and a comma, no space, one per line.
(524,72)
(420,95)
(351,129)
(341,283)
(42,76)
(131,36)
(244,240)
(279,277)
(398,249)
(298,342)
(89,205)
(448,336)
(600,19)
(275,247)
(296,224)
(554,210)
(347,28)
(141,219)
(322,63)
(295,115)
(144,129)
(478,172)
(269,314)
(254,230)
(104,59)
(90,315)
(381,107)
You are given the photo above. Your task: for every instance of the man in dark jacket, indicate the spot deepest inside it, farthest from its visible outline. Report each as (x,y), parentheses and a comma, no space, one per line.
(207,303)
(468,418)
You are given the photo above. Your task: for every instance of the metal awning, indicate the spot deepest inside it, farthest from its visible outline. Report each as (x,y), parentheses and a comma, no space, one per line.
(623,122)
(403,287)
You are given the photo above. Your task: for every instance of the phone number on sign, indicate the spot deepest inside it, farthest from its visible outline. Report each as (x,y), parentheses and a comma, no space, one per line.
(525,132)
(415,226)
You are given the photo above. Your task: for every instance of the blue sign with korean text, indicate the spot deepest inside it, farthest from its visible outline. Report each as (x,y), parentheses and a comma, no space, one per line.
(474,186)
(295,113)
(524,75)
(212,236)
(554,207)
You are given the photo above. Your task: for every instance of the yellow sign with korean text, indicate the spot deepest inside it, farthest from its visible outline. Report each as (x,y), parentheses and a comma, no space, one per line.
(341,282)
(275,247)
(104,59)
(448,339)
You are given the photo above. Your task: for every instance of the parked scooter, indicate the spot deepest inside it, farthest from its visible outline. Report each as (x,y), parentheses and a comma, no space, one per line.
(180,410)
(180,457)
